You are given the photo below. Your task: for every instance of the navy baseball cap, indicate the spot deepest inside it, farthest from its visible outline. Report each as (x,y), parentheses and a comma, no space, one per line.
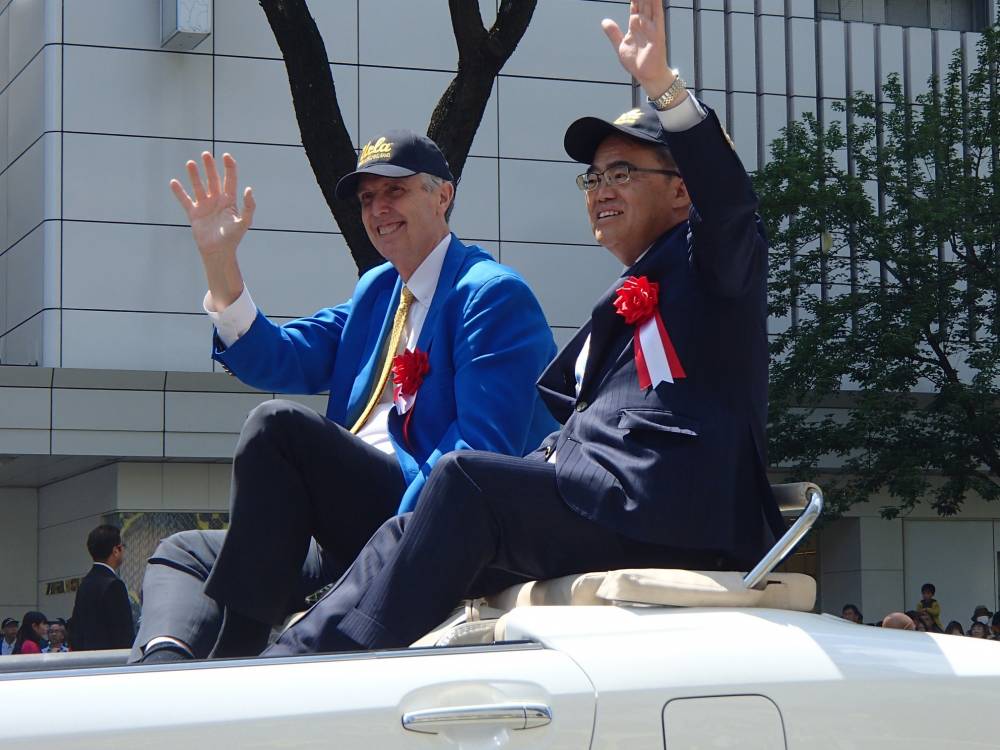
(9,621)
(396,153)
(585,135)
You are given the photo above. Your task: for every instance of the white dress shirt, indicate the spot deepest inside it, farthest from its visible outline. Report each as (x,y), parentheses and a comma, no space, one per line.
(235,320)
(684,116)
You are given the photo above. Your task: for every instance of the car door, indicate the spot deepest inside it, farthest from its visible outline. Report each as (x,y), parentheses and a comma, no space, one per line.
(517,696)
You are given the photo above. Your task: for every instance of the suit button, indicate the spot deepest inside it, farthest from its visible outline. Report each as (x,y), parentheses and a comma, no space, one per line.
(582,406)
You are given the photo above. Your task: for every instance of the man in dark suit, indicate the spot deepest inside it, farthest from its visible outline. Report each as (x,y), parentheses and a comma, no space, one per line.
(102,615)
(662,394)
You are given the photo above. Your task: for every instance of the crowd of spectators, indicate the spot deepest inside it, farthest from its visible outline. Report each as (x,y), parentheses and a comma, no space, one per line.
(926,617)
(34,633)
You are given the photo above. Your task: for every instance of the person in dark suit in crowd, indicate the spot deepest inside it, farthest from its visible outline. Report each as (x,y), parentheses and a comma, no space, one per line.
(8,634)
(662,395)
(32,634)
(449,322)
(102,615)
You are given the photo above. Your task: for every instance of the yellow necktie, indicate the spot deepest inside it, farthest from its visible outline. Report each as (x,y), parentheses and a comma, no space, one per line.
(388,355)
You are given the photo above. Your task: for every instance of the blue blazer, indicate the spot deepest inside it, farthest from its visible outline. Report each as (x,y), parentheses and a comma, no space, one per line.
(683,464)
(487,341)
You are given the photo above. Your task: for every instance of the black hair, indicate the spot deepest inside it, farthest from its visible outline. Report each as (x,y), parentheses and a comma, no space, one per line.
(954,624)
(853,608)
(928,587)
(26,632)
(101,542)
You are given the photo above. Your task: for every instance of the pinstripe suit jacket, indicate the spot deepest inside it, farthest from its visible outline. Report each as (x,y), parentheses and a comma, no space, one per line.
(682,464)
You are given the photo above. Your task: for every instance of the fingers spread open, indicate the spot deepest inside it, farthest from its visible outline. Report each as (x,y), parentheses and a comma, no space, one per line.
(196,185)
(249,206)
(182,197)
(211,174)
(612,31)
(230,181)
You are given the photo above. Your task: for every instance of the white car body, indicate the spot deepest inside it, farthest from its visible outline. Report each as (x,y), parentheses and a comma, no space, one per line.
(610,677)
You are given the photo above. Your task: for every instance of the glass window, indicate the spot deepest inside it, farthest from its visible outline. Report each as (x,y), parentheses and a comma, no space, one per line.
(959,15)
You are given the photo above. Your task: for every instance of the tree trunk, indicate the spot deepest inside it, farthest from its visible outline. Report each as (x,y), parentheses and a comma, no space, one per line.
(456,118)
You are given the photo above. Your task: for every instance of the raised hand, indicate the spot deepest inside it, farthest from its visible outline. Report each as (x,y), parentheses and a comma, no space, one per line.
(642,50)
(217,223)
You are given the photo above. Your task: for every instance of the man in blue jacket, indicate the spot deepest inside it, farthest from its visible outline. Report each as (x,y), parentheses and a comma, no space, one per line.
(662,394)
(438,350)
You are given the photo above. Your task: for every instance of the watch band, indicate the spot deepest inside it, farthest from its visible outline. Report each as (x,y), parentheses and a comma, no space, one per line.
(667,98)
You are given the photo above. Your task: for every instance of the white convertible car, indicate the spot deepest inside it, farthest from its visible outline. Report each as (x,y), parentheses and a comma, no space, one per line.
(623,659)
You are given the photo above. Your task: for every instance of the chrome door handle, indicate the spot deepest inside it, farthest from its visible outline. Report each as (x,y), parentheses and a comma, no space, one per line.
(507,715)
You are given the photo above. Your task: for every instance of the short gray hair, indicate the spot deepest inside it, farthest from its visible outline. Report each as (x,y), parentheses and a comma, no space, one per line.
(430,183)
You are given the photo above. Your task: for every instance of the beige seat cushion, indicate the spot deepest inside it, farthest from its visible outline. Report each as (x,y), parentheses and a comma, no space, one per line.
(580,590)
(693,588)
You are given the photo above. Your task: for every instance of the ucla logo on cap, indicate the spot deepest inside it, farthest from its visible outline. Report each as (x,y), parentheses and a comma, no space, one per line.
(629,118)
(380,149)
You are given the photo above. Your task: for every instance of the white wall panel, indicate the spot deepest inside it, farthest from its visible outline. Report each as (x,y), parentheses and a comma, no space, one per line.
(113,178)
(33,102)
(130,92)
(744,132)
(36,197)
(535,113)
(83,496)
(25,408)
(680,41)
(544,267)
(921,61)
(533,194)
(241,28)
(35,342)
(5,71)
(97,409)
(772,43)
(713,51)
(136,341)
(209,412)
(565,40)
(18,551)
(834,65)
(33,24)
(136,25)
(862,57)
(159,263)
(949,42)
(284,186)
(743,48)
(892,51)
(408,34)
(802,57)
(272,264)
(477,211)
(26,271)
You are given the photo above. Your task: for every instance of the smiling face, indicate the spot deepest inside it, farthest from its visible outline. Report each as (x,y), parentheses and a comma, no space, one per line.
(57,634)
(404,219)
(627,219)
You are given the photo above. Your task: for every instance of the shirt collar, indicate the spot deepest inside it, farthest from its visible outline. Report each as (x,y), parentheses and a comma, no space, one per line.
(424,280)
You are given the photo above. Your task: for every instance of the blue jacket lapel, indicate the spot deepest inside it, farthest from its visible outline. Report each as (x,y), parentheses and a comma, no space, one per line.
(371,361)
(453,262)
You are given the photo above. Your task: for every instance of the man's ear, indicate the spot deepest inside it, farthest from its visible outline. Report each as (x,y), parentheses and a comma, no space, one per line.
(447,194)
(681,196)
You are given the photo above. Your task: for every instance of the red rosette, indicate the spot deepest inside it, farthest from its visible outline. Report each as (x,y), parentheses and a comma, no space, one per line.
(408,371)
(636,299)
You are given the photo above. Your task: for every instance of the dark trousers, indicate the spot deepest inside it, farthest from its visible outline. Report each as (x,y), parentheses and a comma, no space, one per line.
(306,497)
(484,521)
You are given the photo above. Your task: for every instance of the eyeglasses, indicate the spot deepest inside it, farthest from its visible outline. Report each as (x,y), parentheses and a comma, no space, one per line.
(616,174)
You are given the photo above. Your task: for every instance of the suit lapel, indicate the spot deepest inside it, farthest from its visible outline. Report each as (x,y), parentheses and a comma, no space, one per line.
(611,336)
(453,262)
(372,360)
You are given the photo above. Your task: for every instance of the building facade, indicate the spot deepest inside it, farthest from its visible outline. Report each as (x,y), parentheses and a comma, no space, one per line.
(110,406)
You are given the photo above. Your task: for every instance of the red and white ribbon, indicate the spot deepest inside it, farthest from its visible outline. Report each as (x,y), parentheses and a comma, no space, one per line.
(656,360)
(655,357)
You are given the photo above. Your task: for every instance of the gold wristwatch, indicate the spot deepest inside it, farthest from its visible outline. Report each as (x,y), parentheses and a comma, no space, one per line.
(668,97)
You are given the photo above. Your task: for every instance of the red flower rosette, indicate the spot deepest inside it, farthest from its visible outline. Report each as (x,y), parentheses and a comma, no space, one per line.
(408,371)
(636,299)
(656,360)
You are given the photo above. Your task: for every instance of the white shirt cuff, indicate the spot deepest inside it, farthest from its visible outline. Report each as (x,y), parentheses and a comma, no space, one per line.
(235,320)
(684,116)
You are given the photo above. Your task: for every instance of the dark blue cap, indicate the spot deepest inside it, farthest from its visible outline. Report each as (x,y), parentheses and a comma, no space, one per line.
(585,135)
(396,153)
(9,621)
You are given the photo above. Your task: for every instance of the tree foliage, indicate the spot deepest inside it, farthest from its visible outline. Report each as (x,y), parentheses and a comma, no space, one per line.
(886,238)
(482,53)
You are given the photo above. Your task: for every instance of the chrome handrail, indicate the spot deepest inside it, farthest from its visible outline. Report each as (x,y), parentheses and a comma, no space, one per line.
(755,579)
